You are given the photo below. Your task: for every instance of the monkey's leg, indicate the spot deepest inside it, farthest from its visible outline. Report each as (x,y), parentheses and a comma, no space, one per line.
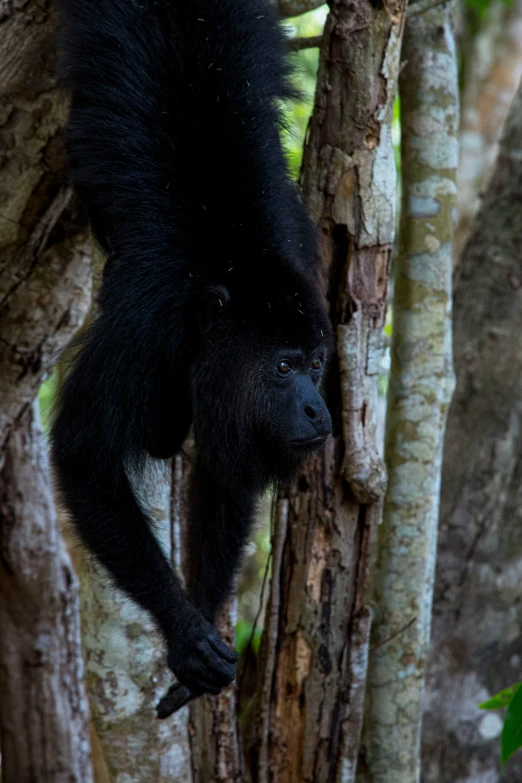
(219,524)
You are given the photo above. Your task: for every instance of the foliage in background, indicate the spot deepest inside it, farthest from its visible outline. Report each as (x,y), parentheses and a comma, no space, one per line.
(46,397)
(511,698)
(305,64)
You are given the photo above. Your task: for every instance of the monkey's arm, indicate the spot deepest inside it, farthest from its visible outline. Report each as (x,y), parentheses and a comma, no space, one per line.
(219,524)
(105,420)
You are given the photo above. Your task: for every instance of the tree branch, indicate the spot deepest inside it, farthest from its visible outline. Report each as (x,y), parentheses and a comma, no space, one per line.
(421,384)
(296,44)
(288,8)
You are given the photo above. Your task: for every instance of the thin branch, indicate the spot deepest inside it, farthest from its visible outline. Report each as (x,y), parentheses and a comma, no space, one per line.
(421,6)
(296,44)
(393,635)
(271,625)
(288,8)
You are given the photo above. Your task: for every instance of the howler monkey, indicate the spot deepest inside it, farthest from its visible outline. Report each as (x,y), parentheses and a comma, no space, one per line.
(210,313)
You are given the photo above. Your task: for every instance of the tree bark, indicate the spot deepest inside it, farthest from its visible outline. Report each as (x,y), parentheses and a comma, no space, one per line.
(44,295)
(477,642)
(421,384)
(491,78)
(43,706)
(305,720)
(44,259)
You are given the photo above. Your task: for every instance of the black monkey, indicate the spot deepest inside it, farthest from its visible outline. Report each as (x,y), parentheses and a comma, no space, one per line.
(210,309)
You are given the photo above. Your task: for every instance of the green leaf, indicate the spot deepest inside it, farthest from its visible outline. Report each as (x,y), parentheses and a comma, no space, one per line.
(501,699)
(512,731)
(244,634)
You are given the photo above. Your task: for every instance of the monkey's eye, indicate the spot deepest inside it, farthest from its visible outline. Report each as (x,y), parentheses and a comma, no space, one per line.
(317,363)
(284,367)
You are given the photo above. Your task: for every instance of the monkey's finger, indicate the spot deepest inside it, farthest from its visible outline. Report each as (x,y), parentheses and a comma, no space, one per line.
(175,698)
(219,646)
(198,677)
(223,671)
(208,669)
(202,681)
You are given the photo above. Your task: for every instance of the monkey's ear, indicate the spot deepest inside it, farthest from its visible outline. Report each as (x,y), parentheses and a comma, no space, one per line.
(215,304)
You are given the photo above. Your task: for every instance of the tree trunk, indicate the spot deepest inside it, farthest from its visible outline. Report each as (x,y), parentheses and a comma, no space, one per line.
(43,706)
(44,259)
(305,720)
(491,78)
(44,295)
(421,384)
(477,641)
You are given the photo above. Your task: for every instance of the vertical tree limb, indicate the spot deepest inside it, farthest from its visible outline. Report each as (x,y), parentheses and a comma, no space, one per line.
(492,72)
(421,384)
(348,181)
(43,706)
(477,640)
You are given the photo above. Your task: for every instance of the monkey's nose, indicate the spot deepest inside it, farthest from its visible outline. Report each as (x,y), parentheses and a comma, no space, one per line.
(320,417)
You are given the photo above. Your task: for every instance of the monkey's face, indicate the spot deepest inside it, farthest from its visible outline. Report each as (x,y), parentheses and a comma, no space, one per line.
(258,410)
(294,414)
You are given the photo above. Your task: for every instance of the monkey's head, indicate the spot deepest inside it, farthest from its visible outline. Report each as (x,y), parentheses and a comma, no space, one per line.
(256,383)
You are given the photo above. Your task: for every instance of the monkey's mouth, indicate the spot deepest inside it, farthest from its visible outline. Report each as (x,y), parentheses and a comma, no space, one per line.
(309,444)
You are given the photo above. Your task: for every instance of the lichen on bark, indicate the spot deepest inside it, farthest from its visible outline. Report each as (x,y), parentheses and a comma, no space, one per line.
(421,384)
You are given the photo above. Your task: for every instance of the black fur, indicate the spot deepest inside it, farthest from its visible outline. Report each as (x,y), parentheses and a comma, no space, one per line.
(212,279)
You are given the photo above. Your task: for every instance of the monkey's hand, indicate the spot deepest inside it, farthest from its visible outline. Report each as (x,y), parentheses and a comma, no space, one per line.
(199,658)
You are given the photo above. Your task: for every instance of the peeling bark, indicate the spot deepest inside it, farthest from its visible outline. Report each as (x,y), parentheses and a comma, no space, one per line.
(43,707)
(477,641)
(313,695)
(421,384)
